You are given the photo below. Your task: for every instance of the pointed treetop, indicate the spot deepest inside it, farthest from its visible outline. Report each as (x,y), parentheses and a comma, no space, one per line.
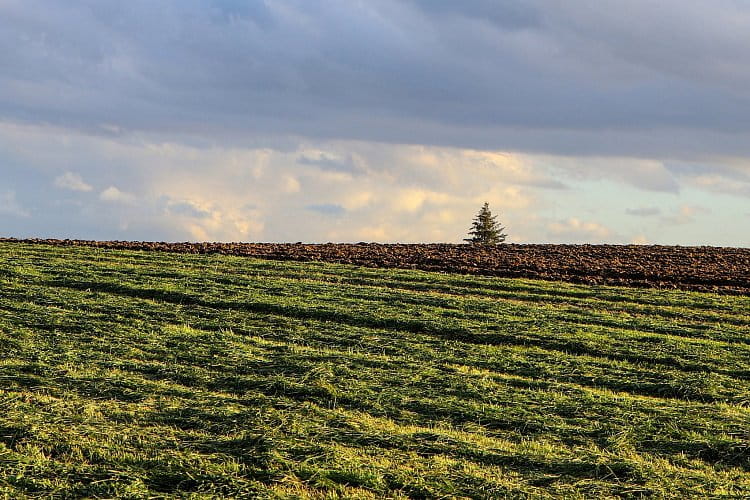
(485,230)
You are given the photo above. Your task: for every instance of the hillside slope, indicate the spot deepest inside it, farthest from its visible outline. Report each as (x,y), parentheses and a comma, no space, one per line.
(129,373)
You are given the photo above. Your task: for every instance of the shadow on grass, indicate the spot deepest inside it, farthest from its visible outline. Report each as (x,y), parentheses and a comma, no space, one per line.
(516,334)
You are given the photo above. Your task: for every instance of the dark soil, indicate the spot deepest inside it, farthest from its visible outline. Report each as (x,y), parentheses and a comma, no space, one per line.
(716,269)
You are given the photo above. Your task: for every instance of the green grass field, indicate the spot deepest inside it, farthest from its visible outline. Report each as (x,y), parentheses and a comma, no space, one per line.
(134,374)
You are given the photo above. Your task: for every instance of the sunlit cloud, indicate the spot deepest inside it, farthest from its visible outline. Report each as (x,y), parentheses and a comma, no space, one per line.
(576,230)
(408,193)
(685,215)
(113,194)
(73,182)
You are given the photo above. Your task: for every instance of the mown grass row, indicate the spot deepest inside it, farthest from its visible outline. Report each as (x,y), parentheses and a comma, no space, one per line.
(145,374)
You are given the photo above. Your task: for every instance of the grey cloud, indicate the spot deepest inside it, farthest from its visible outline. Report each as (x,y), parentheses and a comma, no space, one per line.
(685,215)
(729,178)
(686,169)
(536,76)
(327,209)
(648,175)
(545,183)
(511,14)
(187,209)
(700,41)
(643,211)
(646,178)
(330,163)
(237,10)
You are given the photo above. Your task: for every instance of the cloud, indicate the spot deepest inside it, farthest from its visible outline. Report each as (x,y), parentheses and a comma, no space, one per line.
(10,206)
(410,200)
(577,77)
(574,230)
(513,15)
(730,176)
(290,184)
(187,209)
(114,195)
(643,211)
(721,184)
(176,191)
(685,215)
(644,174)
(328,162)
(72,182)
(512,168)
(356,200)
(327,209)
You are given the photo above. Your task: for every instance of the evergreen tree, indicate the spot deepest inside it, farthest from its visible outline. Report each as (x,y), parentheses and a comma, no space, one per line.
(485,230)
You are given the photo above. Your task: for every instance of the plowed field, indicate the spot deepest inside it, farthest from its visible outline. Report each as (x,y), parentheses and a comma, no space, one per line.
(717,269)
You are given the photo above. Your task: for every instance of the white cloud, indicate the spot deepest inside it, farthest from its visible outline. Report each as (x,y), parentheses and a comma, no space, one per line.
(290,184)
(221,226)
(73,182)
(721,184)
(507,197)
(10,206)
(685,215)
(574,230)
(113,194)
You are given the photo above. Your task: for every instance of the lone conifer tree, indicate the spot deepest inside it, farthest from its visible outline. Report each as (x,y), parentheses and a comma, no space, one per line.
(485,230)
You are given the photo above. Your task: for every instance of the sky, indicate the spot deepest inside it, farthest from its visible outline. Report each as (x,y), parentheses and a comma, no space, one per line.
(578,121)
